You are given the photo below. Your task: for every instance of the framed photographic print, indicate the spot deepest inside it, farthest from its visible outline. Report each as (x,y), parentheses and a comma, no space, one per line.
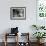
(41,12)
(17,13)
(41,8)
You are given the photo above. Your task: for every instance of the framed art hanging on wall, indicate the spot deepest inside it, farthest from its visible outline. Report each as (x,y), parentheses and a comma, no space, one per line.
(41,8)
(18,13)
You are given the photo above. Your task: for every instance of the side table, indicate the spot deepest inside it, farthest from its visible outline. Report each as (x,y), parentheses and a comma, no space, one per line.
(8,34)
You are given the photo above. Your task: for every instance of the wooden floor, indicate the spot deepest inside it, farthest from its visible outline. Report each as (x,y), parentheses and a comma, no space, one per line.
(13,44)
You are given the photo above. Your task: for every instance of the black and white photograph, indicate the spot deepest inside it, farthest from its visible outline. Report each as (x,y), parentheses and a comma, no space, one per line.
(17,13)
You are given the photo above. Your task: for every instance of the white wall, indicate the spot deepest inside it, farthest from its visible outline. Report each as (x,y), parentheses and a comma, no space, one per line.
(24,25)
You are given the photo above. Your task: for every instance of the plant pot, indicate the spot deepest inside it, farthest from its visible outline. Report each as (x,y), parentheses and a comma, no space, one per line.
(40,41)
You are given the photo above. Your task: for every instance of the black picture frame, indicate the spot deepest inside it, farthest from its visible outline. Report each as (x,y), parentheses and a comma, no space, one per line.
(18,13)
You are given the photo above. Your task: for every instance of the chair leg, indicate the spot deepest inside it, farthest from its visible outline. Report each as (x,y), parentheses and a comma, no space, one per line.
(5,40)
(5,43)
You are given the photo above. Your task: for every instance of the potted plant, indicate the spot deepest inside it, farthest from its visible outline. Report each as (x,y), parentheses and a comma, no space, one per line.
(39,35)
